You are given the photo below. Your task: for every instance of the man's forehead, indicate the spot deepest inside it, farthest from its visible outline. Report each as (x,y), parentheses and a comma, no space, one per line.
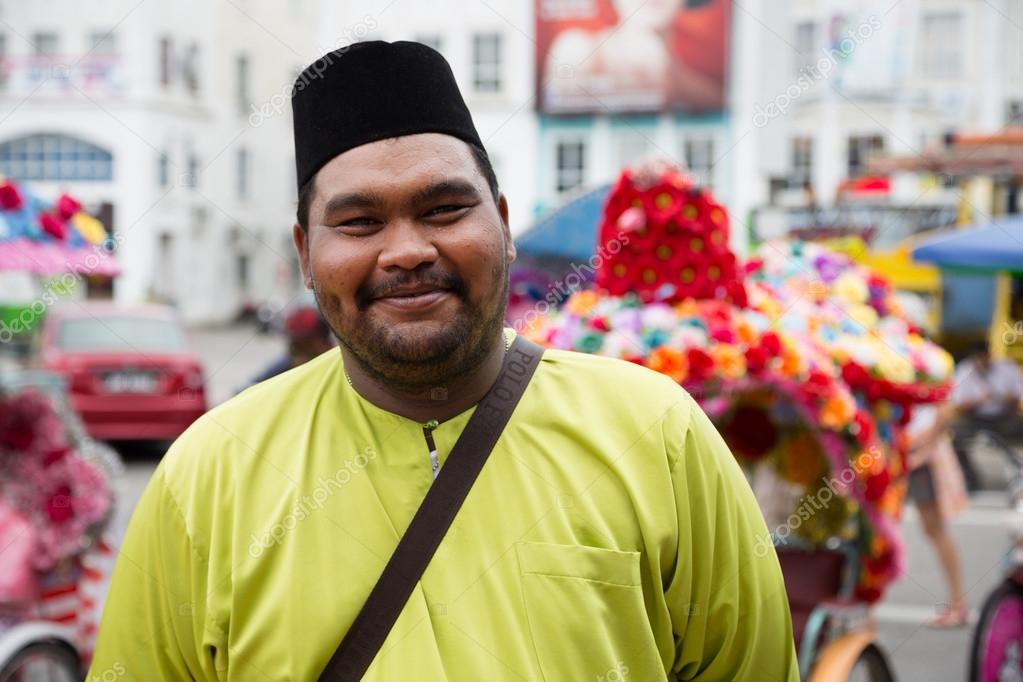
(409,150)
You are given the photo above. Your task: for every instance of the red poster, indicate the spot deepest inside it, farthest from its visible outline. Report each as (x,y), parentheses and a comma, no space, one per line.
(631,55)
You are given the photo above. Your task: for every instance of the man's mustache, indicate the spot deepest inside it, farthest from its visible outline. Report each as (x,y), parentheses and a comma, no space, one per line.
(365,294)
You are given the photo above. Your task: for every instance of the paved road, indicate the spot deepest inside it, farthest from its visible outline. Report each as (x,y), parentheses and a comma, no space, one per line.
(917,653)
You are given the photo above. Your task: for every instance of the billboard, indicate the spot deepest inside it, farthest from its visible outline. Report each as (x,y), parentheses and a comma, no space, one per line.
(631,55)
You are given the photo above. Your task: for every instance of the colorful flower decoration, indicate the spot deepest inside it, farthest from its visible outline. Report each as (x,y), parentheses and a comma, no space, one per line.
(798,356)
(64,497)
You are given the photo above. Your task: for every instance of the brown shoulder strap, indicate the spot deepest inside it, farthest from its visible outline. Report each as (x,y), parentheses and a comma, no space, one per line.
(434,516)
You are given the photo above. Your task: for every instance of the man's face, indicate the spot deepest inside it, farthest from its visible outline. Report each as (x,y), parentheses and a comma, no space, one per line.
(408,256)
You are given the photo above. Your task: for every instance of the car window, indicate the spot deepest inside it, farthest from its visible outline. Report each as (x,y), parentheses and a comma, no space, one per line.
(120,333)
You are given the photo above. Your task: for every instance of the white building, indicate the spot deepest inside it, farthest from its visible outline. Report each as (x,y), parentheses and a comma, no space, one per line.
(173,121)
(145,112)
(896,79)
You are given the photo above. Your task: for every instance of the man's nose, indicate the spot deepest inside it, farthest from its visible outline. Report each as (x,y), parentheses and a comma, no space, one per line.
(406,246)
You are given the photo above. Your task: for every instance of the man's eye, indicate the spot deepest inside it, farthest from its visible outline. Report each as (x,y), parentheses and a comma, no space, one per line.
(445,209)
(361,221)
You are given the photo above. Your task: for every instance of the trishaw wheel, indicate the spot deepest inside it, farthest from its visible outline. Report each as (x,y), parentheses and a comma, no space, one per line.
(997,651)
(42,662)
(871,666)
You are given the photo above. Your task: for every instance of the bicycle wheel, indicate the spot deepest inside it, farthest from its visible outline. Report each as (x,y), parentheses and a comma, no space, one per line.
(997,649)
(42,662)
(871,666)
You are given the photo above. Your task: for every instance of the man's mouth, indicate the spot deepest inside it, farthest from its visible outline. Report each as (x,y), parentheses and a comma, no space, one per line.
(413,297)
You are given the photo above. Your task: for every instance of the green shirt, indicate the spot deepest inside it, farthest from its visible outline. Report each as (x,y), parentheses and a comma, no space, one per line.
(611,535)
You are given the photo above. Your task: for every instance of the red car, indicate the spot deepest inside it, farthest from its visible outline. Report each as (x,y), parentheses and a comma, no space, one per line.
(130,371)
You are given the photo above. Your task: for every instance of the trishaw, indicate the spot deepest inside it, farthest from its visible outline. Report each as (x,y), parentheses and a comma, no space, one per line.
(803,361)
(996,649)
(56,498)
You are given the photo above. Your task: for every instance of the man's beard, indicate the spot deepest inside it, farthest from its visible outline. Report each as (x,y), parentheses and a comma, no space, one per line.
(412,364)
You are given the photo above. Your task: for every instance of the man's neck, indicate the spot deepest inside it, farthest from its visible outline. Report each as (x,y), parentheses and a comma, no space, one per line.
(438,402)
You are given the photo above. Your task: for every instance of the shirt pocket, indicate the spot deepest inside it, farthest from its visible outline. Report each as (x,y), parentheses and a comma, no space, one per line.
(586,613)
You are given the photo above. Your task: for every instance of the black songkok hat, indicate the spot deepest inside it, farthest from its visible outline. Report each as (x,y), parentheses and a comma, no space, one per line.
(372,91)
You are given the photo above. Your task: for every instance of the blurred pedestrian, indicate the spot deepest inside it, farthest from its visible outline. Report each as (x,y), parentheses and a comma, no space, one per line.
(308,336)
(936,487)
(986,394)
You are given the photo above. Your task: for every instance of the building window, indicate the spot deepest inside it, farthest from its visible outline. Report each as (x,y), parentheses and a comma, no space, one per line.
(486,62)
(190,69)
(242,271)
(103,43)
(241,83)
(861,148)
(802,162)
(192,175)
(431,40)
(571,164)
(46,156)
(941,46)
(166,60)
(44,44)
(698,153)
(806,44)
(242,162)
(3,60)
(163,170)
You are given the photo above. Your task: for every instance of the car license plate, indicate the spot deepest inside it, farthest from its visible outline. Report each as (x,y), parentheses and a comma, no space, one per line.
(129,382)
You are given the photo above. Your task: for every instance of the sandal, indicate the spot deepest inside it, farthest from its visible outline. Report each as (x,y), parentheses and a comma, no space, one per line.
(950,618)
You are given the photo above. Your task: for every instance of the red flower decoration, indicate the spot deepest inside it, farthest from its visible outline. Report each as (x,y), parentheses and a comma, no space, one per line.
(66,207)
(701,365)
(723,335)
(868,594)
(864,427)
(818,384)
(736,293)
(10,197)
(756,360)
(681,251)
(58,506)
(770,343)
(855,375)
(54,455)
(876,485)
(53,226)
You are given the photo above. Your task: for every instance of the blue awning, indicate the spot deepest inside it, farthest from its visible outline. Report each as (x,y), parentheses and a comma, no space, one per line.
(991,247)
(570,232)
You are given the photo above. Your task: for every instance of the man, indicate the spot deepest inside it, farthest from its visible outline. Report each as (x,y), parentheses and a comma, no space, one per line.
(987,397)
(609,533)
(308,336)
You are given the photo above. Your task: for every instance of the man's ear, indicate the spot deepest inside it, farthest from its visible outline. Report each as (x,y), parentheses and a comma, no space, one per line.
(301,238)
(502,209)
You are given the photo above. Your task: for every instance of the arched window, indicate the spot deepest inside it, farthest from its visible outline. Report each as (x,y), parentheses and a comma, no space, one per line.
(52,156)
